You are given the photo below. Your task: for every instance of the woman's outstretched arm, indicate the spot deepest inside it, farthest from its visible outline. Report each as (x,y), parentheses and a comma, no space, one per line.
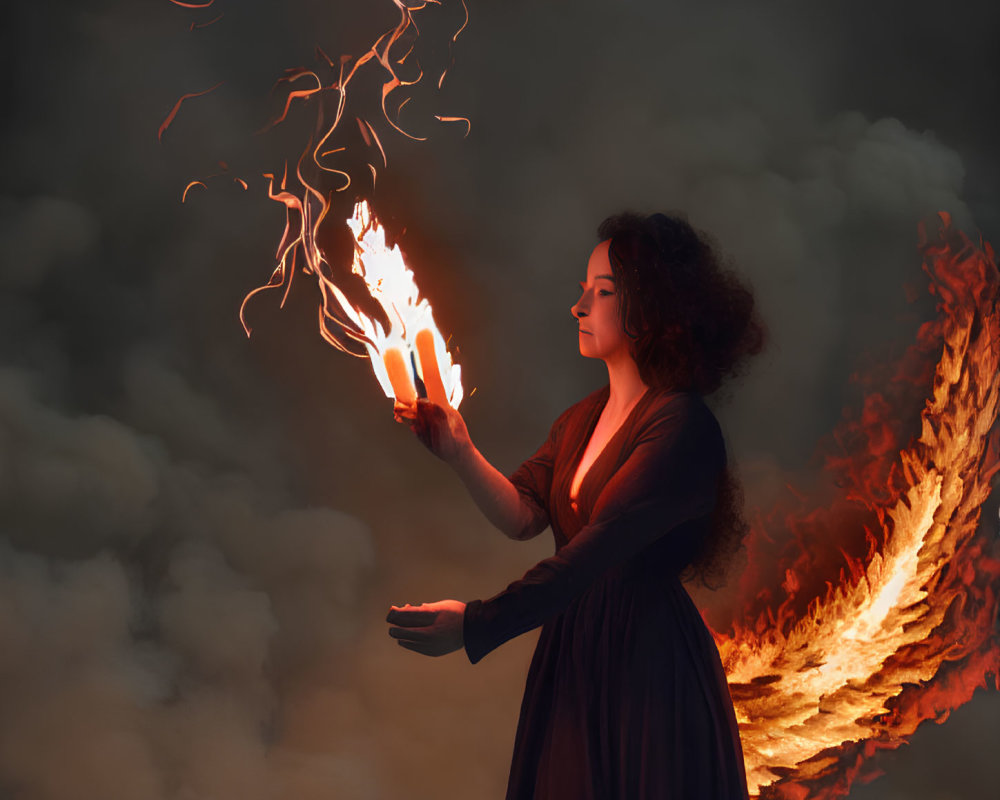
(443,432)
(670,476)
(497,497)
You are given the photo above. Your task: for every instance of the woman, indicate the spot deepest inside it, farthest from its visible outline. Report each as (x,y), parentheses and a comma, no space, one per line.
(626,697)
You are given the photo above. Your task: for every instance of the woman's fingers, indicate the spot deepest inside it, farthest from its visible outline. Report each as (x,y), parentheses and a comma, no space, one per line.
(410,618)
(421,407)
(417,648)
(423,429)
(411,634)
(404,410)
(432,629)
(438,428)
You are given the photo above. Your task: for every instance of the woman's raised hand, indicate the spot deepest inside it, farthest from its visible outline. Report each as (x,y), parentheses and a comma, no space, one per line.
(441,428)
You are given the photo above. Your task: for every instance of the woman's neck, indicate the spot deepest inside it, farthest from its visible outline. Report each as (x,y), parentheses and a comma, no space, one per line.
(626,387)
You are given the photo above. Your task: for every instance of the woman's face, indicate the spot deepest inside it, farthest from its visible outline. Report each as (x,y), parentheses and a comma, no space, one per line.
(601,332)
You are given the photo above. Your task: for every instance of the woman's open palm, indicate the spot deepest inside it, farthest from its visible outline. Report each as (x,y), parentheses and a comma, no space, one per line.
(433,629)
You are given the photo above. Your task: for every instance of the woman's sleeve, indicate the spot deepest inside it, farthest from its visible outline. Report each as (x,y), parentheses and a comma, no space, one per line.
(533,479)
(671,476)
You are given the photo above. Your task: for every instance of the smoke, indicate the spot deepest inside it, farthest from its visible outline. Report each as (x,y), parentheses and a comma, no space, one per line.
(201,535)
(30,250)
(152,606)
(171,605)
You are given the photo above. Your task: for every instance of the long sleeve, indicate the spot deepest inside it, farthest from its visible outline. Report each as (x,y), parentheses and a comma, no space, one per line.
(670,476)
(533,479)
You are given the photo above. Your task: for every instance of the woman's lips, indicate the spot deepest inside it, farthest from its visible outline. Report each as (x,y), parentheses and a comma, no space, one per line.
(586,332)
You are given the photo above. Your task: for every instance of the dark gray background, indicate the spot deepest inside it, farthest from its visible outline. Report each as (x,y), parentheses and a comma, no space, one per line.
(202,533)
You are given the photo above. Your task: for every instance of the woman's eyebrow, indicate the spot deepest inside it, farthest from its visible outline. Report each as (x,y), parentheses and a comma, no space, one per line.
(606,277)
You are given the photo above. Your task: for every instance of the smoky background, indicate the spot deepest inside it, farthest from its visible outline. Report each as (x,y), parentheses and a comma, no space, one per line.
(201,533)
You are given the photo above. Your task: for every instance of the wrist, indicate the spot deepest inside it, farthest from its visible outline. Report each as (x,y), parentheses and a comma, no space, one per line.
(463,458)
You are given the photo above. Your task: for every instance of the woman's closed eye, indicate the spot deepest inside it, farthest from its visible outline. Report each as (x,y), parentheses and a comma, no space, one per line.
(602,292)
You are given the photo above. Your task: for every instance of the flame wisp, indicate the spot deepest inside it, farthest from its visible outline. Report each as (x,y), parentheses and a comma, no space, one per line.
(401,337)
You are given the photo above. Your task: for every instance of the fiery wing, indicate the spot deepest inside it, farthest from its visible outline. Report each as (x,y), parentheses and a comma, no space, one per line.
(910,634)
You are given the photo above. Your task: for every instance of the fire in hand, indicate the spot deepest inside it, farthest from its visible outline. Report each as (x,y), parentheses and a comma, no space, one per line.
(412,349)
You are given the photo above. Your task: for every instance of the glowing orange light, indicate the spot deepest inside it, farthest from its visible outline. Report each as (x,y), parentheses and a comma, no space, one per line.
(412,336)
(399,376)
(436,392)
(177,107)
(190,186)
(908,633)
(468,124)
(196,25)
(405,347)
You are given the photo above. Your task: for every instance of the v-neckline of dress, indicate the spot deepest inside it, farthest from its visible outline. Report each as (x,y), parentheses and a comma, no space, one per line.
(585,443)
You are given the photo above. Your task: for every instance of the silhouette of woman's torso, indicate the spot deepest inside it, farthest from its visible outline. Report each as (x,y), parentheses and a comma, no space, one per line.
(626,697)
(607,426)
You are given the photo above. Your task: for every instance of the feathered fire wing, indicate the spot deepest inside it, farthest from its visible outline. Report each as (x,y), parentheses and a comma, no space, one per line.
(907,632)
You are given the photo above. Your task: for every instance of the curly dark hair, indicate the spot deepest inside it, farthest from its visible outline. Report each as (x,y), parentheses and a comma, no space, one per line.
(693,324)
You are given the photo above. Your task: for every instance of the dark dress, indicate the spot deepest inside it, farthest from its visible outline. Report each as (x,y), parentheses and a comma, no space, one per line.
(626,697)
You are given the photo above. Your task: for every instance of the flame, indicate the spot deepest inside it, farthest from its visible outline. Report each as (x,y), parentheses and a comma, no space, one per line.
(197,25)
(189,187)
(908,634)
(407,319)
(391,283)
(392,323)
(177,107)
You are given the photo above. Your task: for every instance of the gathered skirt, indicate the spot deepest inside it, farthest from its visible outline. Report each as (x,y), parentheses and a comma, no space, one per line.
(626,699)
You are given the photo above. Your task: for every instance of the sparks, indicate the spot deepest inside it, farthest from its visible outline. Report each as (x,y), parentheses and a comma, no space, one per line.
(468,124)
(197,25)
(188,188)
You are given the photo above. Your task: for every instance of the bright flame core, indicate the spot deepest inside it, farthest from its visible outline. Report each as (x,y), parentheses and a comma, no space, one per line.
(408,350)
(391,283)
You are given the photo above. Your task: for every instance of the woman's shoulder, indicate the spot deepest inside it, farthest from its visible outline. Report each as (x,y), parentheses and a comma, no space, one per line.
(684,408)
(668,401)
(580,410)
(588,403)
(660,406)
(656,405)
